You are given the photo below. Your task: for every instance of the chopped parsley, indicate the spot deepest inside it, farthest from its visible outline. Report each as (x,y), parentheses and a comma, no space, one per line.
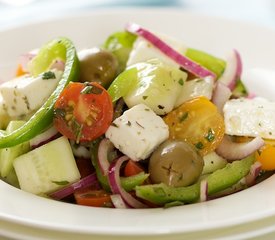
(48,75)
(183,117)
(61,183)
(181,82)
(210,135)
(199,145)
(160,107)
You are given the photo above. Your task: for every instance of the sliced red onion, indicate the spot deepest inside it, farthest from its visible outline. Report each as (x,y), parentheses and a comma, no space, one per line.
(87,181)
(43,138)
(58,64)
(254,172)
(203,191)
(251,95)
(24,59)
(235,151)
(233,70)
(183,61)
(104,148)
(221,94)
(116,187)
(118,201)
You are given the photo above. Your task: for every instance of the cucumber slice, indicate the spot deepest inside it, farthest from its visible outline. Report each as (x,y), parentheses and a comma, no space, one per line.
(213,162)
(47,168)
(7,155)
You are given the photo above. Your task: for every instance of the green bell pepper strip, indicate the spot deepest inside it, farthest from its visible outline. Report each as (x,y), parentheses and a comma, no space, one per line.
(128,183)
(44,116)
(210,62)
(219,180)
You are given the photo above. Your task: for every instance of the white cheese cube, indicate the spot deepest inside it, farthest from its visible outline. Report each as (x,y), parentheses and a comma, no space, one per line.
(25,94)
(143,51)
(250,117)
(138,132)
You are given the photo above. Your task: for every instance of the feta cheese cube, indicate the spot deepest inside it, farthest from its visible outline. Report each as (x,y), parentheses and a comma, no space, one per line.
(25,94)
(137,132)
(250,117)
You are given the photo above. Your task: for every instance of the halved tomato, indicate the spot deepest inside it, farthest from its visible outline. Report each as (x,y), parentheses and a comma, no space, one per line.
(198,122)
(83,111)
(93,198)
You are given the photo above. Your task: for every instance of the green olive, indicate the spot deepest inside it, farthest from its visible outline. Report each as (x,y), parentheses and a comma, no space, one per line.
(175,163)
(97,65)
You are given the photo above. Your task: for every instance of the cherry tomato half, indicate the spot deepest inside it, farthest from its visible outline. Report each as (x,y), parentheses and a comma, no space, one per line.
(266,156)
(198,122)
(83,111)
(94,198)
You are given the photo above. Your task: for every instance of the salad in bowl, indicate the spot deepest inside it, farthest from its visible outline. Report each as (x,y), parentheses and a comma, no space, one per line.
(142,121)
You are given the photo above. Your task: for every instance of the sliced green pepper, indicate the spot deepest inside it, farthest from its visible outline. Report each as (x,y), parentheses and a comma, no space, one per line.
(44,116)
(120,44)
(212,63)
(219,180)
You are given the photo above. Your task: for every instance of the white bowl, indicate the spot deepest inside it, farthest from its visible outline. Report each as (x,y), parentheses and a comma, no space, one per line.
(241,215)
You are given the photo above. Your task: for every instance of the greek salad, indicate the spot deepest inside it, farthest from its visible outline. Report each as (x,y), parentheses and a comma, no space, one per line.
(141,121)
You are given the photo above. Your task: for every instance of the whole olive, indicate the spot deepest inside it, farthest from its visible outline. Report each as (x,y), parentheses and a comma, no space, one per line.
(175,163)
(97,65)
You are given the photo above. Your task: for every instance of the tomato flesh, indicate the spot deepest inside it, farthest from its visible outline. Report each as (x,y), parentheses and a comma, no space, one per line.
(266,156)
(93,198)
(132,168)
(198,122)
(83,112)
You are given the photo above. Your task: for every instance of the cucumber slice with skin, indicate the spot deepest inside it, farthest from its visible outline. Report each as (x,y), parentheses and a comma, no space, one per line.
(7,155)
(47,168)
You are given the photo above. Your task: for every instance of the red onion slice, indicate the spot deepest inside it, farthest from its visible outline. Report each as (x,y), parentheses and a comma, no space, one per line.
(236,151)
(118,201)
(43,138)
(68,190)
(203,191)
(233,70)
(221,94)
(254,172)
(105,146)
(24,59)
(116,187)
(58,64)
(183,61)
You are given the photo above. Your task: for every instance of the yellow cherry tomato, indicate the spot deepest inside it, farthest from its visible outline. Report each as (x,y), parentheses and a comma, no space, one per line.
(198,122)
(266,156)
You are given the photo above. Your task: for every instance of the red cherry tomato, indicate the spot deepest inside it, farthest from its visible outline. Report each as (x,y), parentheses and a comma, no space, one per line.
(83,111)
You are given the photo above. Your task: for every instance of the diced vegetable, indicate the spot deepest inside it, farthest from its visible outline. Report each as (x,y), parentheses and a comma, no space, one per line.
(158,86)
(198,122)
(47,168)
(214,64)
(83,111)
(7,155)
(217,181)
